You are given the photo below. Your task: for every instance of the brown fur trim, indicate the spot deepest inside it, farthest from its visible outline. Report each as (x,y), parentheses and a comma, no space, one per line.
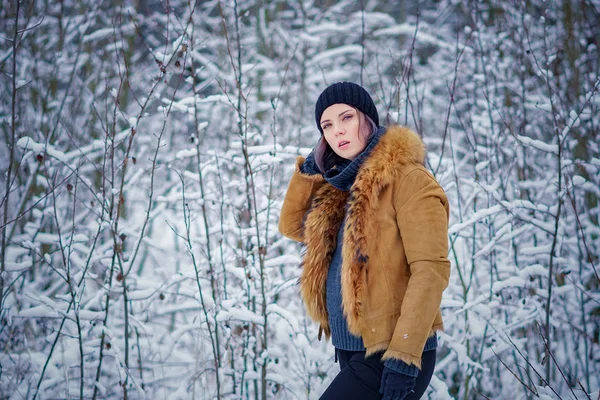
(381,346)
(320,233)
(398,146)
(400,355)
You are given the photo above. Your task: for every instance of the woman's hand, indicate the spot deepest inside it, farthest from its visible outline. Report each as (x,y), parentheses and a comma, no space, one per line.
(395,385)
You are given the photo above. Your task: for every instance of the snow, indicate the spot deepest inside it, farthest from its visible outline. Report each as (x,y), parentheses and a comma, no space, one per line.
(283,260)
(409,30)
(342,51)
(578,180)
(498,164)
(141,294)
(477,216)
(17,266)
(240,314)
(538,144)
(29,144)
(108,33)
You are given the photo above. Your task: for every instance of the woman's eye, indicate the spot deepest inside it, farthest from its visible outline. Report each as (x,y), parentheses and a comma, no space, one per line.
(347,117)
(325,126)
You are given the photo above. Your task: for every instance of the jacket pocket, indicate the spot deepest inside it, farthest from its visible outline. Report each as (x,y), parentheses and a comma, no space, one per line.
(378,300)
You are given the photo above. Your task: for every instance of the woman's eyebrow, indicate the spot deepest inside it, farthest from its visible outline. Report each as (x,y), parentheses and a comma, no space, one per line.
(339,115)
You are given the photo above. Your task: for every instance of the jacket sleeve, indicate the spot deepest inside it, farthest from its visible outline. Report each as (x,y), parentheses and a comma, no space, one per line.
(301,189)
(422,213)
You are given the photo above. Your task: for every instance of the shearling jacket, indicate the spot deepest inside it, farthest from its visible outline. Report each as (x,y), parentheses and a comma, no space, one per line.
(395,246)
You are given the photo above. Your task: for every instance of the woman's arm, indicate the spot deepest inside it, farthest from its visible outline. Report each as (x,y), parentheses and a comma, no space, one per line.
(422,217)
(301,189)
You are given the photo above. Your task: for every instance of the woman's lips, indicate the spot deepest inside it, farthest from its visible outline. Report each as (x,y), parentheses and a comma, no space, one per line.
(343,144)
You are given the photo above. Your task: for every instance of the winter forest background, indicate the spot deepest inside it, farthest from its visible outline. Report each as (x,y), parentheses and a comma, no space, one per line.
(146,148)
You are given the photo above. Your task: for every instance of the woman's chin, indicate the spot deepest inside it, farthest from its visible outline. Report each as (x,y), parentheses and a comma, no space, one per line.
(348,155)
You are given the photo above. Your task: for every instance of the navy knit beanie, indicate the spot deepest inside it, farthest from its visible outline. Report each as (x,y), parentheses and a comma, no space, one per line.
(346,93)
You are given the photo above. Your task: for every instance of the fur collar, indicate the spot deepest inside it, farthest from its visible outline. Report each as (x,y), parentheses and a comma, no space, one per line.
(398,147)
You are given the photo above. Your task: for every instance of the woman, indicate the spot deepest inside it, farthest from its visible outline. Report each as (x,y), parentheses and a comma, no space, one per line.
(375,223)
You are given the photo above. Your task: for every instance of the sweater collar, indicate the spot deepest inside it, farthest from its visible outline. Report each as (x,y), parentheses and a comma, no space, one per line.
(343,174)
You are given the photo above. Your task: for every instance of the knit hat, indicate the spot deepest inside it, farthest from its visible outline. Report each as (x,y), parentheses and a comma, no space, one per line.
(346,93)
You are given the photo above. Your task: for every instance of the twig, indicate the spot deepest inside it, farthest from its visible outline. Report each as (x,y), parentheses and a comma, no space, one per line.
(513,374)
(211,266)
(549,352)
(190,249)
(481,394)
(584,392)
(532,367)
(13,129)
(67,264)
(451,91)
(580,226)
(408,70)
(362,40)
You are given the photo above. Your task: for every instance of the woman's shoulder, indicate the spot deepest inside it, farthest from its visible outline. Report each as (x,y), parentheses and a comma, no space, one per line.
(415,174)
(397,148)
(399,151)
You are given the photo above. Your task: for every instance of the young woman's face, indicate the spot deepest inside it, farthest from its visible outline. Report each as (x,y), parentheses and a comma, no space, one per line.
(341,125)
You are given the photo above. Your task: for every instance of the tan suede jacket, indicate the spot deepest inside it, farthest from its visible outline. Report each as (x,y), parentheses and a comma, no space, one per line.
(395,246)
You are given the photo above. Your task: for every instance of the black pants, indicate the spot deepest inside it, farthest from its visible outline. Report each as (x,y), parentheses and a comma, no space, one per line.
(360,377)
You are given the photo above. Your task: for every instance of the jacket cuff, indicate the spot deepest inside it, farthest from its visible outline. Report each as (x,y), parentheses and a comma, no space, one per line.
(402,356)
(401,367)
